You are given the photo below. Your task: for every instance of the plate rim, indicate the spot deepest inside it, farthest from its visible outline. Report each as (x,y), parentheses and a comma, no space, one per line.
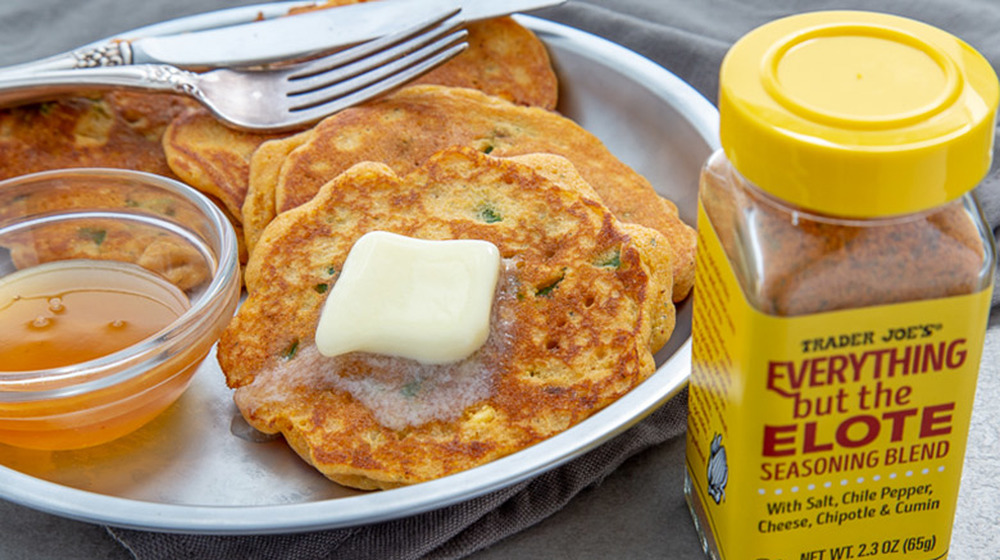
(669,379)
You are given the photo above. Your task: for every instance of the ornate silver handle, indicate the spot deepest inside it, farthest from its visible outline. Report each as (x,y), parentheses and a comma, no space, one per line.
(116,53)
(40,86)
(107,54)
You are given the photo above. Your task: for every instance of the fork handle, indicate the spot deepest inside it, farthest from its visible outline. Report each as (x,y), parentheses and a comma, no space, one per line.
(46,85)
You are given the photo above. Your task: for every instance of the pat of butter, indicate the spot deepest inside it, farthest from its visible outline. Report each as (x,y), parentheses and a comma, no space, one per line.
(413,298)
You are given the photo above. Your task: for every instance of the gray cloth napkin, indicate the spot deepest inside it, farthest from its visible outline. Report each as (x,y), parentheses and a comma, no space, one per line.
(689,38)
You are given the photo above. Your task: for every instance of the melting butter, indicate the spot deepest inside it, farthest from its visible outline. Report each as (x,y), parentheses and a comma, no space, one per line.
(413,298)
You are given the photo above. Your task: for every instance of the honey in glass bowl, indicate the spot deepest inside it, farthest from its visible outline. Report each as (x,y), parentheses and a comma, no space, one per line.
(67,312)
(114,285)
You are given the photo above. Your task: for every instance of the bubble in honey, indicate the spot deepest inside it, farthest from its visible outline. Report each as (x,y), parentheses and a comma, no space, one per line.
(56,305)
(40,322)
(117,324)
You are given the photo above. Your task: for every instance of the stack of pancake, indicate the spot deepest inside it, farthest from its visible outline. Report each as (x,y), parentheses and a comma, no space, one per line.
(583,301)
(404,129)
(593,258)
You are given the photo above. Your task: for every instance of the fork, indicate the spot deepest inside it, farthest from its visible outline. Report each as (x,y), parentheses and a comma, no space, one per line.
(277,98)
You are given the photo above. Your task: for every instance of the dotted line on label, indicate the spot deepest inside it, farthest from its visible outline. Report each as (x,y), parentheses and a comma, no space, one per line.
(845,482)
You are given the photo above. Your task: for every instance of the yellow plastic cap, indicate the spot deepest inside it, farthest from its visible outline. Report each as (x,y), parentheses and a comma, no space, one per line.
(857,114)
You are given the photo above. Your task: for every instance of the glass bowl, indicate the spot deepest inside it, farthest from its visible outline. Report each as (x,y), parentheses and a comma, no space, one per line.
(114,285)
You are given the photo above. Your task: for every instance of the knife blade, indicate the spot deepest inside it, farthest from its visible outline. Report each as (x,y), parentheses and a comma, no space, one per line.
(274,38)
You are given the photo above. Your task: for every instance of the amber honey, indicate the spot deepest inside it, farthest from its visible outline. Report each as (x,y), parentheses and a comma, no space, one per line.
(66,313)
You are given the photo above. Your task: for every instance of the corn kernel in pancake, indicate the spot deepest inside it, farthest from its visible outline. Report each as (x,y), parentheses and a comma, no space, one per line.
(582,303)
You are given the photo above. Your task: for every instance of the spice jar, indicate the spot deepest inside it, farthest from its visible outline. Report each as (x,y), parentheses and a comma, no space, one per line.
(842,292)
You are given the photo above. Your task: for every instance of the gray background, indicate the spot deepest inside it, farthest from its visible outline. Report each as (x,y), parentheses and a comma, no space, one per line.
(637,512)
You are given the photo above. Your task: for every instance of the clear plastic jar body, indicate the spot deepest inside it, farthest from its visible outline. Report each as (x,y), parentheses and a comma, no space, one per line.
(790,261)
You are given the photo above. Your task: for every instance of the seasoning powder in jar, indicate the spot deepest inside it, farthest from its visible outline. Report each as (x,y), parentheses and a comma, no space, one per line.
(844,277)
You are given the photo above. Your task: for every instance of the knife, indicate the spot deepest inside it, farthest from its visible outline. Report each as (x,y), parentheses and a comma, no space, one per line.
(278,37)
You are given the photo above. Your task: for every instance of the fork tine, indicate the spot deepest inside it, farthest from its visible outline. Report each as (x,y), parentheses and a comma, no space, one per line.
(303,93)
(379,73)
(321,109)
(420,33)
(407,47)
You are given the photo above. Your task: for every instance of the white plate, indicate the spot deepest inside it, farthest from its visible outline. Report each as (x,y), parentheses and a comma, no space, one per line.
(188,472)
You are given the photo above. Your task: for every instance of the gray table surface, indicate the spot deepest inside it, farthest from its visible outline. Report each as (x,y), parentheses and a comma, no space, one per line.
(639,511)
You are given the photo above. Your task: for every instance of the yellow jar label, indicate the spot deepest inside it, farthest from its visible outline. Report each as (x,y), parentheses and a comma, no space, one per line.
(838,435)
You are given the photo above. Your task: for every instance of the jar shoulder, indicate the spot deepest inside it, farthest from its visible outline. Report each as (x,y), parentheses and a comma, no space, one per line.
(792,262)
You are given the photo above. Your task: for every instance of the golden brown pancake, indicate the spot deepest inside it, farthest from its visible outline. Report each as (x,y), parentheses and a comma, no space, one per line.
(582,303)
(214,159)
(404,129)
(266,164)
(504,59)
(116,129)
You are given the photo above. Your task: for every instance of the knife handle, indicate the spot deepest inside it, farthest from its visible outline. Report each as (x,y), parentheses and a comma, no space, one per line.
(112,53)
(108,54)
(42,86)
